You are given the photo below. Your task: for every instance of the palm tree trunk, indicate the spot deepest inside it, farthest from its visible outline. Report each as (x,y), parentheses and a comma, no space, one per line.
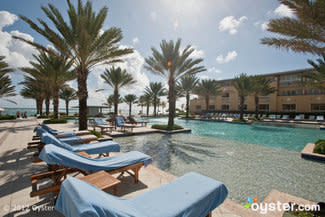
(115,101)
(148,109)
(256,106)
(130,109)
(242,99)
(67,107)
(56,102)
(47,105)
(171,100)
(207,103)
(37,106)
(155,106)
(187,104)
(41,107)
(82,95)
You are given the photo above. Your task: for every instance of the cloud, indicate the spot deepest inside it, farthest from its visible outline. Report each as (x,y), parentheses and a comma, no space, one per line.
(135,40)
(7,19)
(175,24)
(264,26)
(231,24)
(153,16)
(283,11)
(214,70)
(197,53)
(231,55)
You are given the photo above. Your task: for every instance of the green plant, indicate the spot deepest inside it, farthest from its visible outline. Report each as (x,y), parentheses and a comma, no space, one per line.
(96,133)
(7,117)
(239,120)
(55,121)
(320,146)
(165,127)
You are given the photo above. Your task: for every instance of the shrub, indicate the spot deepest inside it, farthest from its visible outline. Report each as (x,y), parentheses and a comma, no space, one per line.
(320,146)
(165,127)
(96,133)
(7,117)
(238,120)
(55,121)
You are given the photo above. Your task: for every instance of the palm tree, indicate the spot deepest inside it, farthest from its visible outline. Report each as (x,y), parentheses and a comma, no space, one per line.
(109,102)
(261,86)
(187,84)
(130,99)
(147,100)
(68,94)
(32,90)
(6,88)
(117,78)
(82,40)
(302,33)
(243,85)
(173,64)
(317,78)
(52,70)
(207,88)
(163,106)
(156,90)
(141,103)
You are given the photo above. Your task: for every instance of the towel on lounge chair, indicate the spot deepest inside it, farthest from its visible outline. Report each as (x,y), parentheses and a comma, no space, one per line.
(52,154)
(55,132)
(92,148)
(99,121)
(192,195)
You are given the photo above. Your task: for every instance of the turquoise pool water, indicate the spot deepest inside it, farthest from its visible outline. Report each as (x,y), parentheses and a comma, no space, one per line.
(276,136)
(218,150)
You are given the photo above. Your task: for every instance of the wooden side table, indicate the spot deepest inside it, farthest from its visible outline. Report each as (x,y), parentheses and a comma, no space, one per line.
(102,180)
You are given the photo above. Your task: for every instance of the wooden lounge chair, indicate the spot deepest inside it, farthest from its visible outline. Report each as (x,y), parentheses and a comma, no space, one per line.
(133,121)
(119,122)
(98,122)
(192,195)
(63,162)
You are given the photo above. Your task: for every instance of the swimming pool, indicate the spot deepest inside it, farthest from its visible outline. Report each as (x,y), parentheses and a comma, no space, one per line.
(246,168)
(275,136)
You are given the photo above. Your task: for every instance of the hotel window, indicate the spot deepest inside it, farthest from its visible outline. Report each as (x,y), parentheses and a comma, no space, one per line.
(225,107)
(264,107)
(212,107)
(317,107)
(291,92)
(226,83)
(289,107)
(225,95)
(245,107)
(287,80)
(245,98)
(264,97)
(213,97)
(316,91)
(198,107)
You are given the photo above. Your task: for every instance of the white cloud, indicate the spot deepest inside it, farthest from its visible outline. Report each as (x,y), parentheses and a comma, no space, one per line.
(176,24)
(197,53)
(153,16)
(204,77)
(231,55)
(264,26)
(7,19)
(283,11)
(231,24)
(135,40)
(214,70)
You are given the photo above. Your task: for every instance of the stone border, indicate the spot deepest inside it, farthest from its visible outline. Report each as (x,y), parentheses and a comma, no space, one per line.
(185,130)
(308,154)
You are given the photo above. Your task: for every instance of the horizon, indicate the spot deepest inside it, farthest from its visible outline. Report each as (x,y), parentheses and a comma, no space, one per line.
(229,45)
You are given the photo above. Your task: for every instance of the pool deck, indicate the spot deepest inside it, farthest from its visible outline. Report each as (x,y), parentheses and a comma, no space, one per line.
(16,167)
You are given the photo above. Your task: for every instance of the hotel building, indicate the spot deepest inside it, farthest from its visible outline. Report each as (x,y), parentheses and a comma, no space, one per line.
(290,96)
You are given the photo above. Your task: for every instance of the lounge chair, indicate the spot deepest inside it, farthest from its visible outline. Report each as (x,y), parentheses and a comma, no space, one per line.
(299,117)
(119,122)
(285,117)
(70,140)
(272,116)
(62,162)
(98,122)
(57,133)
(320,118)
(192,195)
(101,147)
(133,121)
(311,117)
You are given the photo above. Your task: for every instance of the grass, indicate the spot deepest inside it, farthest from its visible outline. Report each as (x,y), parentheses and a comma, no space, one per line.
(7,117)
(96,133)
(55,121)
(238,120)
(165,127)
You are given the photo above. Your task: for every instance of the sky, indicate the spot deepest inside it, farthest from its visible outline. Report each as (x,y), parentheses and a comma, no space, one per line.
(225,33)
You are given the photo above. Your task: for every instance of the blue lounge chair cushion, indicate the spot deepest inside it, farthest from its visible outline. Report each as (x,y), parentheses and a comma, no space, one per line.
(48,138)
(192,195)
(52,154)
(99,121)
(92,148)
(119,121)
(55,132)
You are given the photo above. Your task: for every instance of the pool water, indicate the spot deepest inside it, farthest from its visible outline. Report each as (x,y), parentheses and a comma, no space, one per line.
(247,169)
(275,136)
